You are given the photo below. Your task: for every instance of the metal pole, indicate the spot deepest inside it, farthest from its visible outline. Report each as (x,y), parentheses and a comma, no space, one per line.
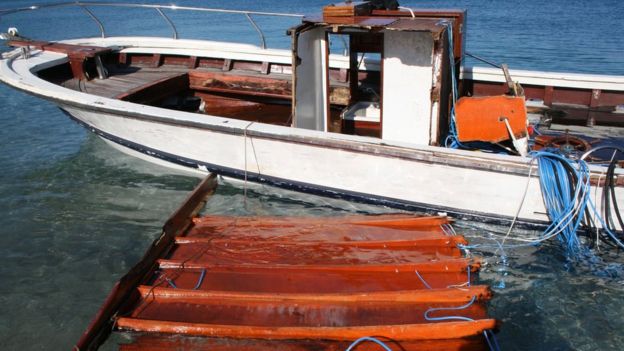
(262,41)
(99,23)
(483,60)
(615,148)
(173,28)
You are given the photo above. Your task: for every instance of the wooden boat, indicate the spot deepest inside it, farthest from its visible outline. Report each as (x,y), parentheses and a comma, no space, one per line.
(368,126)
(283,283)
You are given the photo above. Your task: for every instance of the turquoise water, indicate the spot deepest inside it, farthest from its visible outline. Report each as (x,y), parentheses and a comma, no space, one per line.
(76,214)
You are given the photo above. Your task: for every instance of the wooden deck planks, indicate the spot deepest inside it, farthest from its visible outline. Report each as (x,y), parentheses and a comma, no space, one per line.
(121,81)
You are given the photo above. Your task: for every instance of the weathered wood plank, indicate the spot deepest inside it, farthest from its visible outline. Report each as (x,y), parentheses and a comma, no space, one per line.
(121,82)
(156,90)
(241,84)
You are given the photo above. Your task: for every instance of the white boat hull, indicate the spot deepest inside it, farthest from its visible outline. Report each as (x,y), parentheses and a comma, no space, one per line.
(401,175)
(353,174)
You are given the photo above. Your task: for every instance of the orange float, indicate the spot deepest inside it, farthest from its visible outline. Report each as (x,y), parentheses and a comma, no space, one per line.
(268,283)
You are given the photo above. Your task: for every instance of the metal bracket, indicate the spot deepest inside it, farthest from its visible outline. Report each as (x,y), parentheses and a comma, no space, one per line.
(25,52)
(99,66)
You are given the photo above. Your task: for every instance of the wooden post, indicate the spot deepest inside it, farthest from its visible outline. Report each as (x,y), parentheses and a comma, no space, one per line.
(548,95)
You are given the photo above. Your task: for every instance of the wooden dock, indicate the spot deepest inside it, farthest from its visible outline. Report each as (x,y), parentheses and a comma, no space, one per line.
(284,283)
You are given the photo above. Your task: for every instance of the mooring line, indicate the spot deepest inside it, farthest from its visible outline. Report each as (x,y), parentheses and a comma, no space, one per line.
(245,151)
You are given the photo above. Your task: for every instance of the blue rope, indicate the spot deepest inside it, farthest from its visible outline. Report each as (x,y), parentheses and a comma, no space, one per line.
(200,280)
(490,338)
(448,318)
(171,283)
(495,340)
(567,201)
(566,209)
(368,338)
(451,140)
(422,280)
(487,339)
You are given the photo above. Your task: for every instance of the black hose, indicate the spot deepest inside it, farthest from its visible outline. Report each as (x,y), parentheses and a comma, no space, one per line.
(606,210)
(611,175)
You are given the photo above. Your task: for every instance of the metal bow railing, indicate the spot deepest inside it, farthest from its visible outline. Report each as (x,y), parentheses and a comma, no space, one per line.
(86,5)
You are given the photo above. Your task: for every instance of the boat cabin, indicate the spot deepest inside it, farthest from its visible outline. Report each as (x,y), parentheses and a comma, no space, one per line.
(404,92)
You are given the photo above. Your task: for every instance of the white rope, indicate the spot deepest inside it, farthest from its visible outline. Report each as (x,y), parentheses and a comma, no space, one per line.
(245,151)
(408,9)
(526,190)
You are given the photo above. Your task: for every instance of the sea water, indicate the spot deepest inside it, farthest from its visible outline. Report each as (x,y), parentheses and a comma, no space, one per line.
(75,214)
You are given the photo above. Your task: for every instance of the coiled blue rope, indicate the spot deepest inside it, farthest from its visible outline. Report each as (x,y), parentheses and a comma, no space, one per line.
(565,198)
(565,211)
(566,191)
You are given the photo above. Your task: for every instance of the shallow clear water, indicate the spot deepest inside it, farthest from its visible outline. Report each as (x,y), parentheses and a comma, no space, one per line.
(76,215)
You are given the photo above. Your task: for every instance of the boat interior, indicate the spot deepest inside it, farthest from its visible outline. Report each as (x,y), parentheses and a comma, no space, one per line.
(252,91)
(212,86)
(361,97)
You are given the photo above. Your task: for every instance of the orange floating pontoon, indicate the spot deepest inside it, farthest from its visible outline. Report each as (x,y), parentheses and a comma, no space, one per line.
(284,283)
